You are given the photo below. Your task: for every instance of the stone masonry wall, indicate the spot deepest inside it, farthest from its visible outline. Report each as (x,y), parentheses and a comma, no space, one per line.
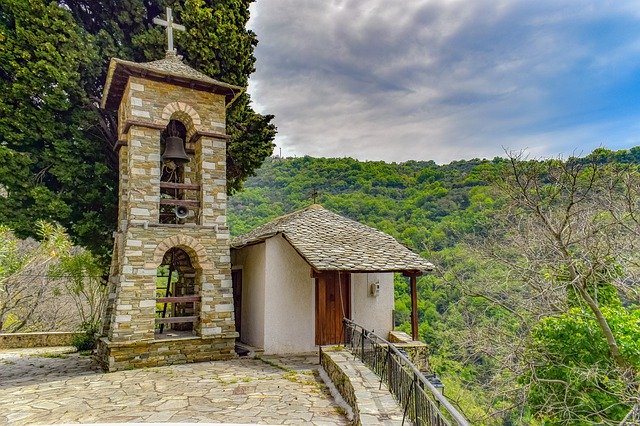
(156,102)
(211,155)
(417,352)
(341,381)
(141,241)
(133,316)
(142,191)
(36,340)
(125,356)
(370,400)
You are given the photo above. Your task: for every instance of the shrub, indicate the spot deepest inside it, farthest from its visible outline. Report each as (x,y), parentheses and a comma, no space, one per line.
(86,339)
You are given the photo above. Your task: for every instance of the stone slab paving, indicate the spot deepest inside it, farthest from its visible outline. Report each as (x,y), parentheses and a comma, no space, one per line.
(53,386)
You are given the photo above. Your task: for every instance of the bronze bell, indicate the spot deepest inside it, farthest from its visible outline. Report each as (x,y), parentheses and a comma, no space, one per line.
(174,151)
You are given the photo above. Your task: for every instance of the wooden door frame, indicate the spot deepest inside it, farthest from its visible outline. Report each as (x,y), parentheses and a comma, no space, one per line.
(340,278)
(237,316)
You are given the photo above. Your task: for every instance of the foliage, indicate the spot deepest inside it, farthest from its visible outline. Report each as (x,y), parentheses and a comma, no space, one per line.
(565,240)
(472,404)
(42,281)
(501,275)
(81,276)
(85,340)
(50,167)
(56,146)
(24,297)
(401,199)
(216,43)
(572,375)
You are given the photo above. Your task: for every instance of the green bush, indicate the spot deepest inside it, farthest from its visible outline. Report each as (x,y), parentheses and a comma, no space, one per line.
(86,339)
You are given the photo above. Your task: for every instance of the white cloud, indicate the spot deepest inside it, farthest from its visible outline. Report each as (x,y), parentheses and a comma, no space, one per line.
(444,80)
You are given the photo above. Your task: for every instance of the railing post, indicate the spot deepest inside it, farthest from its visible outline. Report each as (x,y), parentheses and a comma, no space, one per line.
(406,404)
(386,368)
(415,399)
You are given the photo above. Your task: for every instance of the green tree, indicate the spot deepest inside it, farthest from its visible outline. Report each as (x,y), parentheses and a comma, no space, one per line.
(572,378)
(501,271)
(564,252)
(41,282)
(216,42)
(50,167)
(56,146)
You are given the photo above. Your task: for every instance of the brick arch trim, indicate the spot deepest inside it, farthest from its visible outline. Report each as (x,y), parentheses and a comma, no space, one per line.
(193,247)
(183,112)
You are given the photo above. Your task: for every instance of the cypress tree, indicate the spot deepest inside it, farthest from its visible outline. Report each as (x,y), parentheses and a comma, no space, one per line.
(56,145)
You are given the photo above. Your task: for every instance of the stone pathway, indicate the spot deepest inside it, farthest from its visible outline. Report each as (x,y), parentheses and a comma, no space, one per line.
(375,404)
(52,386)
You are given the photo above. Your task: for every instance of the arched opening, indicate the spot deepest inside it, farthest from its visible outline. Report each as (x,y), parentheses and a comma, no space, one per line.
(178,194)
(177,295)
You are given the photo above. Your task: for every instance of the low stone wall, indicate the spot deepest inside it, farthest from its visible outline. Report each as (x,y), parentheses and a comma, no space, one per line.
(341,381)
(371,401)
(155,353)
(36,340)
(417,352)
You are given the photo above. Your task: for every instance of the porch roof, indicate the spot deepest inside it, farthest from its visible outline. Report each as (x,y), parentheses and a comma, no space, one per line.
(330,242)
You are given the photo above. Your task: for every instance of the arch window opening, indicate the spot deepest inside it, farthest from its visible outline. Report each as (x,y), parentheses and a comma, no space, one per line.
(177,296)
(178,190)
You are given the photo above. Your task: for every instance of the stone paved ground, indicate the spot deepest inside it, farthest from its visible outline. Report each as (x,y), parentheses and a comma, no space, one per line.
(48,386)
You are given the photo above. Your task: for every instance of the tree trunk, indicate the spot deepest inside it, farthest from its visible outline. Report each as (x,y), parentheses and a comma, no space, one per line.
(604,327)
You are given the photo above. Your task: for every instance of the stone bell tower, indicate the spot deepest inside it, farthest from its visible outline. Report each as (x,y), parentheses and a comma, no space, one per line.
(170,294)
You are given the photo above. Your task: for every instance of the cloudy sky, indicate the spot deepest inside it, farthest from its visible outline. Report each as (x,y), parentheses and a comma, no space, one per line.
(446,79)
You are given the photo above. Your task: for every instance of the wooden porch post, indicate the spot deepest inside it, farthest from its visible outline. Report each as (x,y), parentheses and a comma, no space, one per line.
(414,307)
(413,282)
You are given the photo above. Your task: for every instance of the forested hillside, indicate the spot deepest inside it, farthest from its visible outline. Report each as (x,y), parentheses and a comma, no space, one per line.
(534,304)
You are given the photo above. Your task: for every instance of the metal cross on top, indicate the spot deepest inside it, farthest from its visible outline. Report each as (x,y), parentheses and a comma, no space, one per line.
(170,25)
(314,194)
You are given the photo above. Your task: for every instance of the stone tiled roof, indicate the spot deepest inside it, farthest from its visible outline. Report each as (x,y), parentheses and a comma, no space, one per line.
(169,69)
(331,242)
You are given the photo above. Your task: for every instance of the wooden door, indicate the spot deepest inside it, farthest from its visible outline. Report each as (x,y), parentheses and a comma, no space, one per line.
(333,303)
(236,281)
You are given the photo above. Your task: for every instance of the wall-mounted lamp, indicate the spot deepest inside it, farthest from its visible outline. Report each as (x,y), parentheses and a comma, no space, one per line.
(374,289)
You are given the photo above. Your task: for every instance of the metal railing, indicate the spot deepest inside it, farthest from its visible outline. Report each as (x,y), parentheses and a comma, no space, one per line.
(420,400)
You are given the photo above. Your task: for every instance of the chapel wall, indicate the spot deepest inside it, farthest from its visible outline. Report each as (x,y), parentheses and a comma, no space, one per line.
(251,260)
(375,313)
(288,279)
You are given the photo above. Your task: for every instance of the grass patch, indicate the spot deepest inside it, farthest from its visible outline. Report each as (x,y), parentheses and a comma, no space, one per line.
(232,381)
(341,411)
(336,348)
(309,378)
(295,377)
(291,376)
(52,355)
(274,364)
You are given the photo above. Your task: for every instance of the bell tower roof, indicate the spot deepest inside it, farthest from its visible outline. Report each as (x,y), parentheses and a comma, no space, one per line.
(169,70)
